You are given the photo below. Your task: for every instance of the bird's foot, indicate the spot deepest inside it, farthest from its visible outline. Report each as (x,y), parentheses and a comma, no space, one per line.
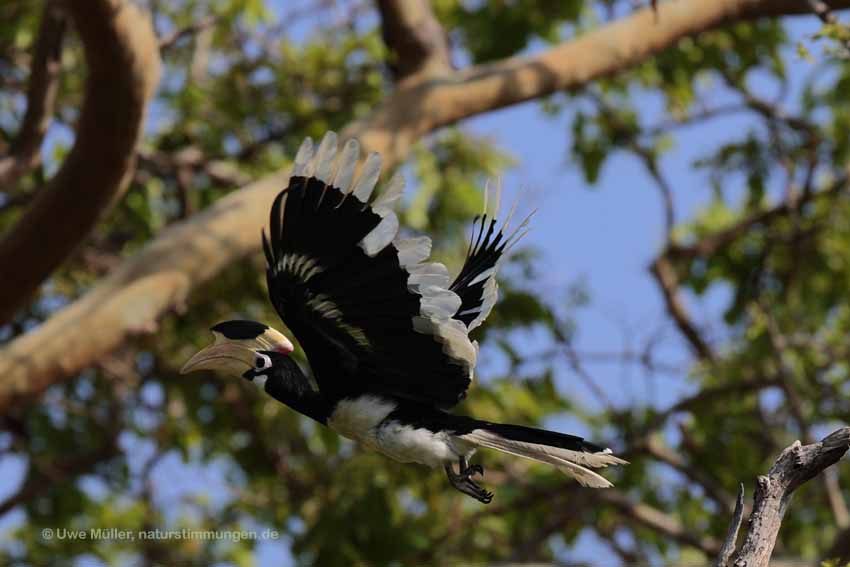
(463,482)
(473,470)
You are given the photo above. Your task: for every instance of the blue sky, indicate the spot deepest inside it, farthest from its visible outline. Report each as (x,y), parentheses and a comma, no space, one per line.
(604,236)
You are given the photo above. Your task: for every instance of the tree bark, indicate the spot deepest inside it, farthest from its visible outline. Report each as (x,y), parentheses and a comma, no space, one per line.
(417,42)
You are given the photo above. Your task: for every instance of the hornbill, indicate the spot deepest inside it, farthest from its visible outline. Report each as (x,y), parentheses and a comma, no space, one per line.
(384,331)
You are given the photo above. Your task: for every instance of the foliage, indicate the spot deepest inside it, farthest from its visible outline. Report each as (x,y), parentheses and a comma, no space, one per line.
(99,449)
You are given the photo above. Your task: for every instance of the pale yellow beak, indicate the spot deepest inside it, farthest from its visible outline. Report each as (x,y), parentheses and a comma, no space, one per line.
(236,356)
(227,357)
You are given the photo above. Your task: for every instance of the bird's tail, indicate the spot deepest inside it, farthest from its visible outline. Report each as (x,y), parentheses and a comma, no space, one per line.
(570,454)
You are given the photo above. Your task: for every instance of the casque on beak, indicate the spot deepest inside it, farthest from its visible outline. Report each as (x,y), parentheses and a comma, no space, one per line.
(235,355)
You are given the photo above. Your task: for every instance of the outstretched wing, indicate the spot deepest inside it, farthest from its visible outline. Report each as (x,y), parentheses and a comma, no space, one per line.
(370,313)
(476,283)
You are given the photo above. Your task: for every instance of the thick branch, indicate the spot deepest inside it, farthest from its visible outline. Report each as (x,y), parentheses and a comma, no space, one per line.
(611,49)
(123,69)
(417,42)
(796,465)
(159,278)
(25,152)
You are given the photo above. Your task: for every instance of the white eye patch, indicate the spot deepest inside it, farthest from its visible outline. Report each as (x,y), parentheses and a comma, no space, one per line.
(261,362)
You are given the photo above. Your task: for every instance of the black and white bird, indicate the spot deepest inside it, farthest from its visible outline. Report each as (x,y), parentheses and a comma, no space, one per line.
(385,332)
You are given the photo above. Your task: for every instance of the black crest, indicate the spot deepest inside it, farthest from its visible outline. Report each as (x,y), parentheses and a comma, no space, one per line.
(240,330)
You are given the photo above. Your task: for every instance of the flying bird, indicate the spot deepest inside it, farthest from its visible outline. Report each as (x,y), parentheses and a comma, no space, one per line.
(386,333)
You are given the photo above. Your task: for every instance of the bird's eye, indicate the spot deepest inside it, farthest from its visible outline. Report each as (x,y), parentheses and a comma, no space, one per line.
(262,362)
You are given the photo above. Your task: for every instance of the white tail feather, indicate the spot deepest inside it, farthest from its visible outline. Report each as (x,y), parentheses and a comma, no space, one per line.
(569,462)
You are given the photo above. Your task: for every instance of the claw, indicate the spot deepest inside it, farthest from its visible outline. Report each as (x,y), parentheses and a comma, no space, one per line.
(462,481)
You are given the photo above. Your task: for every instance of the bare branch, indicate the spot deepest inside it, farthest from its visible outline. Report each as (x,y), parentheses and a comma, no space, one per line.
(25,152)
(418,44)
(123,70)
(796,465)
(732,535)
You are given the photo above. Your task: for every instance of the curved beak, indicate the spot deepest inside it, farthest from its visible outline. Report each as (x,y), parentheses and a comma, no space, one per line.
(229,357)
(236,356)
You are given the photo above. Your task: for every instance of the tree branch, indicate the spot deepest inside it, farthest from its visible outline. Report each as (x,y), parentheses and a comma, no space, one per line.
(41,481)
(822,11)
(732,535)
(658,521)
(25,152)
(707,395)
(603,52)
(158,279)
(417,42)
(665,274)
(796,465)
(656,449)
(168,41)
(123,69)
(713,243)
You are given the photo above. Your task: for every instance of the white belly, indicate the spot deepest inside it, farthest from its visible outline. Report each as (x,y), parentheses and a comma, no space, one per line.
(358,419)
(361,420)
(406,444)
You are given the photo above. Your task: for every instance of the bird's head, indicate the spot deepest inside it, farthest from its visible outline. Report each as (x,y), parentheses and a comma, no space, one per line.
(242,348)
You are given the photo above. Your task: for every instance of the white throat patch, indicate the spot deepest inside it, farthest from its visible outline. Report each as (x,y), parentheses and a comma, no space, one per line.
(260,381)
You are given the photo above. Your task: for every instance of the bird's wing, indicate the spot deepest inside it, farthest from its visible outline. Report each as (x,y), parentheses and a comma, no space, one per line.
(476,283)
(370,313)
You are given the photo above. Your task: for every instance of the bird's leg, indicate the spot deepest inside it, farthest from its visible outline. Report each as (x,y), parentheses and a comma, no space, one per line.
(467,470)
(464,483)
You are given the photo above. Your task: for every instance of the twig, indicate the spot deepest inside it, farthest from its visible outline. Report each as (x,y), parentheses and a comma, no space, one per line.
(796,465)
(707,395)
(668,281)
(658,521)
(711,244)
(822,11)
(166,42)
(732,535)
(25,153)
(657,450)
